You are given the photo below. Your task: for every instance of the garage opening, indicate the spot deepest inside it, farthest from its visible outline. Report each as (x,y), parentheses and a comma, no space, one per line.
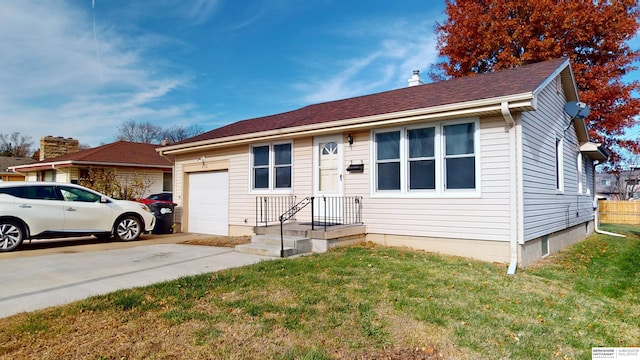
(208,204)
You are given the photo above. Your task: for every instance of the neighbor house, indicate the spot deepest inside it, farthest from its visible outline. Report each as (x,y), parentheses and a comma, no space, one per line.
(6,162)
(487,166)
(126,159)
(623,185)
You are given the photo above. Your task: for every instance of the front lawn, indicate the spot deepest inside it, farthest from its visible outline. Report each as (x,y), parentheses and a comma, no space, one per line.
(363,302)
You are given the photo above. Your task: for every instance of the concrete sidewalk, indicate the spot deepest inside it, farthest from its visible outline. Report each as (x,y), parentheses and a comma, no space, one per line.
(35,282)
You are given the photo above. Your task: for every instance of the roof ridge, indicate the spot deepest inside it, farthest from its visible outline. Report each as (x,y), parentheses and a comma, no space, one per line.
(517,80)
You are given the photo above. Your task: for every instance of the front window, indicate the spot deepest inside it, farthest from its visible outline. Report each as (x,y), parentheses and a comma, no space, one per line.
(271,166)
(433,159)
(167,181)
(388,160)
(46,175)
(422,161)
(282,165)
(459,156)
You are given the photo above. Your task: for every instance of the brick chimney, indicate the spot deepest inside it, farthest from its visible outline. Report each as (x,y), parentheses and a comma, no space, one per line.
(54,146)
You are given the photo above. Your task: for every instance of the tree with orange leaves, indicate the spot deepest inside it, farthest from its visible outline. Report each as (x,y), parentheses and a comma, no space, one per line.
(485,35)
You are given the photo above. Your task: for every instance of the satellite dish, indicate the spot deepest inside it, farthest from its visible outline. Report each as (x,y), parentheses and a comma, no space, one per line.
(577,109)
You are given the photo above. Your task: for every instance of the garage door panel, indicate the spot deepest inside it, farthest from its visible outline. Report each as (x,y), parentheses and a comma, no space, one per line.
(209,203)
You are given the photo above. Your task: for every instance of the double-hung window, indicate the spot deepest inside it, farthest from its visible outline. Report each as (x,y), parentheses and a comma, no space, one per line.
(388,160)
(422,161)
(459,156)
(435,158)
(271,167)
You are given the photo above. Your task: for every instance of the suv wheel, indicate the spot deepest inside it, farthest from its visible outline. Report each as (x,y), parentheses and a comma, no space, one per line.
(128,228)
(11,235)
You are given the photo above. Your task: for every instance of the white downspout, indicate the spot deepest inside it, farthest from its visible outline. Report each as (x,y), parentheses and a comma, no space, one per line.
(595,223)
(513,185)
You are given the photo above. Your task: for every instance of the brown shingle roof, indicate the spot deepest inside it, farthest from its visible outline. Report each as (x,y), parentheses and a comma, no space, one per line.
(119,152)
(519,80)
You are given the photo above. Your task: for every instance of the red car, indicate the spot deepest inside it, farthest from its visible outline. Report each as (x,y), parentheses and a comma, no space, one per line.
(165,197)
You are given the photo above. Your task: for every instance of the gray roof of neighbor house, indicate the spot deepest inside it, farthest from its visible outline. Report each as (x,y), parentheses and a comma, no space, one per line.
(521,80)
(9,161)
(119,153)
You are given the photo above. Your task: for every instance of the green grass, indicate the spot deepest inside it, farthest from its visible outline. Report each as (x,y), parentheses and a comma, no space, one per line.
(357,302)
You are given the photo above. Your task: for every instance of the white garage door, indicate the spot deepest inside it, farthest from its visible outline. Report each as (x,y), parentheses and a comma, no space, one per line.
(209,203)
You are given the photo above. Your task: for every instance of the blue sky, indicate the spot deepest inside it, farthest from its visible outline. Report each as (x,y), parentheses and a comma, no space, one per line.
(203,62)
(198,62)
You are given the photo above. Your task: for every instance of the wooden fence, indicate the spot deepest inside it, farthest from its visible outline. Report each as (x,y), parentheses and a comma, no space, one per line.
(619,212)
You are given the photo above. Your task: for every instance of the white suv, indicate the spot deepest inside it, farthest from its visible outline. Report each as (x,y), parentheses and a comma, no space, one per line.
(32,210)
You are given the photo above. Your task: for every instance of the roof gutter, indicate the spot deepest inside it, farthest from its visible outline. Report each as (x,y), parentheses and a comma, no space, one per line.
(517,102)
(504,108)
(52,165)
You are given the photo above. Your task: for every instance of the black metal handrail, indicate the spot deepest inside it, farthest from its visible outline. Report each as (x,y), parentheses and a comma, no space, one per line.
(289,214)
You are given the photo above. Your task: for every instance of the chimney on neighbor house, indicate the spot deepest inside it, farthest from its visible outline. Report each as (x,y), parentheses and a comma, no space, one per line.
(53,146)
(415,79)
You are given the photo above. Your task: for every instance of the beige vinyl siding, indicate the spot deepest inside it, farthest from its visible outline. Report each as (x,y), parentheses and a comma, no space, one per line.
(486,217)
(358,153)
(234,160)
(241,199)
(62,176)
(303,167)
(546,210)
(74,174)
(241,202)
(155,178)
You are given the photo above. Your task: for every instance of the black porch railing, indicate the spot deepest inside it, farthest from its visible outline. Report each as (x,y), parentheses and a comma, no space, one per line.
(269,208)
(325,211)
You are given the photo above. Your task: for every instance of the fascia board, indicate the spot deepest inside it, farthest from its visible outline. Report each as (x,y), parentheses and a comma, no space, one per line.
(56,165)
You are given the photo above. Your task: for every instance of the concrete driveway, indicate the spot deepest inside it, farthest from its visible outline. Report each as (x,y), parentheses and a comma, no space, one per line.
(45,274)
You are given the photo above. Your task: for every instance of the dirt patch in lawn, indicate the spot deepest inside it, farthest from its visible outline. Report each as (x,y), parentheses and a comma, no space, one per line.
(221,241)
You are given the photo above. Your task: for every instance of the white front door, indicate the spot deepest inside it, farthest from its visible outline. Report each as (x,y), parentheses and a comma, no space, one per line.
(328,175)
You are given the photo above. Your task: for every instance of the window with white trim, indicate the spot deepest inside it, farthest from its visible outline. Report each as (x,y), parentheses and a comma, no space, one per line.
(459,156)
(580,173)
(433,158)
(271,167)
(559,164)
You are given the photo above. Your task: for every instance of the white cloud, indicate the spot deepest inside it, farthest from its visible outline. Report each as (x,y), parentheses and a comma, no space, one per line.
(400,48)
(59,79)
(197,12)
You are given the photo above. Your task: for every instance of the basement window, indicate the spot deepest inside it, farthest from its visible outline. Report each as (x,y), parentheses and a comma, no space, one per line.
(545,245)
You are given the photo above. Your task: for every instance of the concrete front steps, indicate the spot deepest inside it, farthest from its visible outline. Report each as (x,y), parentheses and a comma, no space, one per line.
(270,245)
(301,239)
